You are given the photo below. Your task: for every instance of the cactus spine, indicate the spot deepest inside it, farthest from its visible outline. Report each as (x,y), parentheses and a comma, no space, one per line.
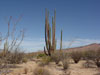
(50,42)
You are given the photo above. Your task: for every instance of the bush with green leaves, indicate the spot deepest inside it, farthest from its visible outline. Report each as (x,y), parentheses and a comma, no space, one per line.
(76,56)
(41,55)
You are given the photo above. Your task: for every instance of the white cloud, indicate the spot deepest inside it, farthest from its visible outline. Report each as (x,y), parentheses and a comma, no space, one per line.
(35,44)
(79,42)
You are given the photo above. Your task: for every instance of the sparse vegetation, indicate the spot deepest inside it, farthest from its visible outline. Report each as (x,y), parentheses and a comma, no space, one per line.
(93,55)
(65,64)
(65,60)
(41,55)
(12,54)
(25,70)
(56,57)
(41,71)
(76,56)
(16,57)
(45,61)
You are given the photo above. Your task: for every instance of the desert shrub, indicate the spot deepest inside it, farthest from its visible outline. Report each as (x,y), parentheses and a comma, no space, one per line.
(30,56)
(41,71)
(65,60)
(94,56)
(89,55)
(15,57)
(56,57)
(65,64)
(41,55)
(24,60)
(45,61)
(97,58)
(76,56)
(25,70)
(88,64)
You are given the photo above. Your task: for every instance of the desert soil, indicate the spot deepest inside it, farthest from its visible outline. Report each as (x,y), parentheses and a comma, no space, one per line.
(74,69)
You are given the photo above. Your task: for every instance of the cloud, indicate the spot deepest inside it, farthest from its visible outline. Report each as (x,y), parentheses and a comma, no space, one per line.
(35,44)
(79,42)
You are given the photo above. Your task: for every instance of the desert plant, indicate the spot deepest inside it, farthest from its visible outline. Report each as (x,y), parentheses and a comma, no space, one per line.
(65,64)
(25,70)
(76,56)
(24,60)
(88,64)
(97,58)
(41,55)
(50,43)
(61,41)
(45,61)
(93,55)
(65,60)
(88,55)
(56,57)
(41,71)
(15,57)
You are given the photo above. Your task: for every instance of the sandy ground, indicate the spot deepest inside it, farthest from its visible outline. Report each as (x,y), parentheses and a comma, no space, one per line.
(74,69)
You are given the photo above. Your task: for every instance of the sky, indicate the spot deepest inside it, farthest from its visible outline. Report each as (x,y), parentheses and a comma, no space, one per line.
(79,20)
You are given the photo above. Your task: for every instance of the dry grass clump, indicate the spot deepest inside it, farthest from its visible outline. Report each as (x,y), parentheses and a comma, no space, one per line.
(56,57)
(25,70)
(76,56)
(25,59)
(41,55)
(45,61)
(88,55)
(65,60)
(30,56)
(88,64)
(61,56)
(41,71)
(65,64)
(15,57)
(93,55)
(97,58)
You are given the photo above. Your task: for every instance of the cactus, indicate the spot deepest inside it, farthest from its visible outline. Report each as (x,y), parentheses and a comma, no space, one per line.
(61,41)
(5,47)
(50,42)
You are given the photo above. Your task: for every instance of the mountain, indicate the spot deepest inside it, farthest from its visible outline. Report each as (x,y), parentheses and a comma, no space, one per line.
(93,46)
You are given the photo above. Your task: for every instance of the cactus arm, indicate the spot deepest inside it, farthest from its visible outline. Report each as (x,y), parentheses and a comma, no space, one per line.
(46,38)
(50,41)
(45,51)
(61,41)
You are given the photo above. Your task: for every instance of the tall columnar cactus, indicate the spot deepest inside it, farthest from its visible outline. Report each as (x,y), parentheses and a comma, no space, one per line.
(50,42)
(61,41)
(5,47)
